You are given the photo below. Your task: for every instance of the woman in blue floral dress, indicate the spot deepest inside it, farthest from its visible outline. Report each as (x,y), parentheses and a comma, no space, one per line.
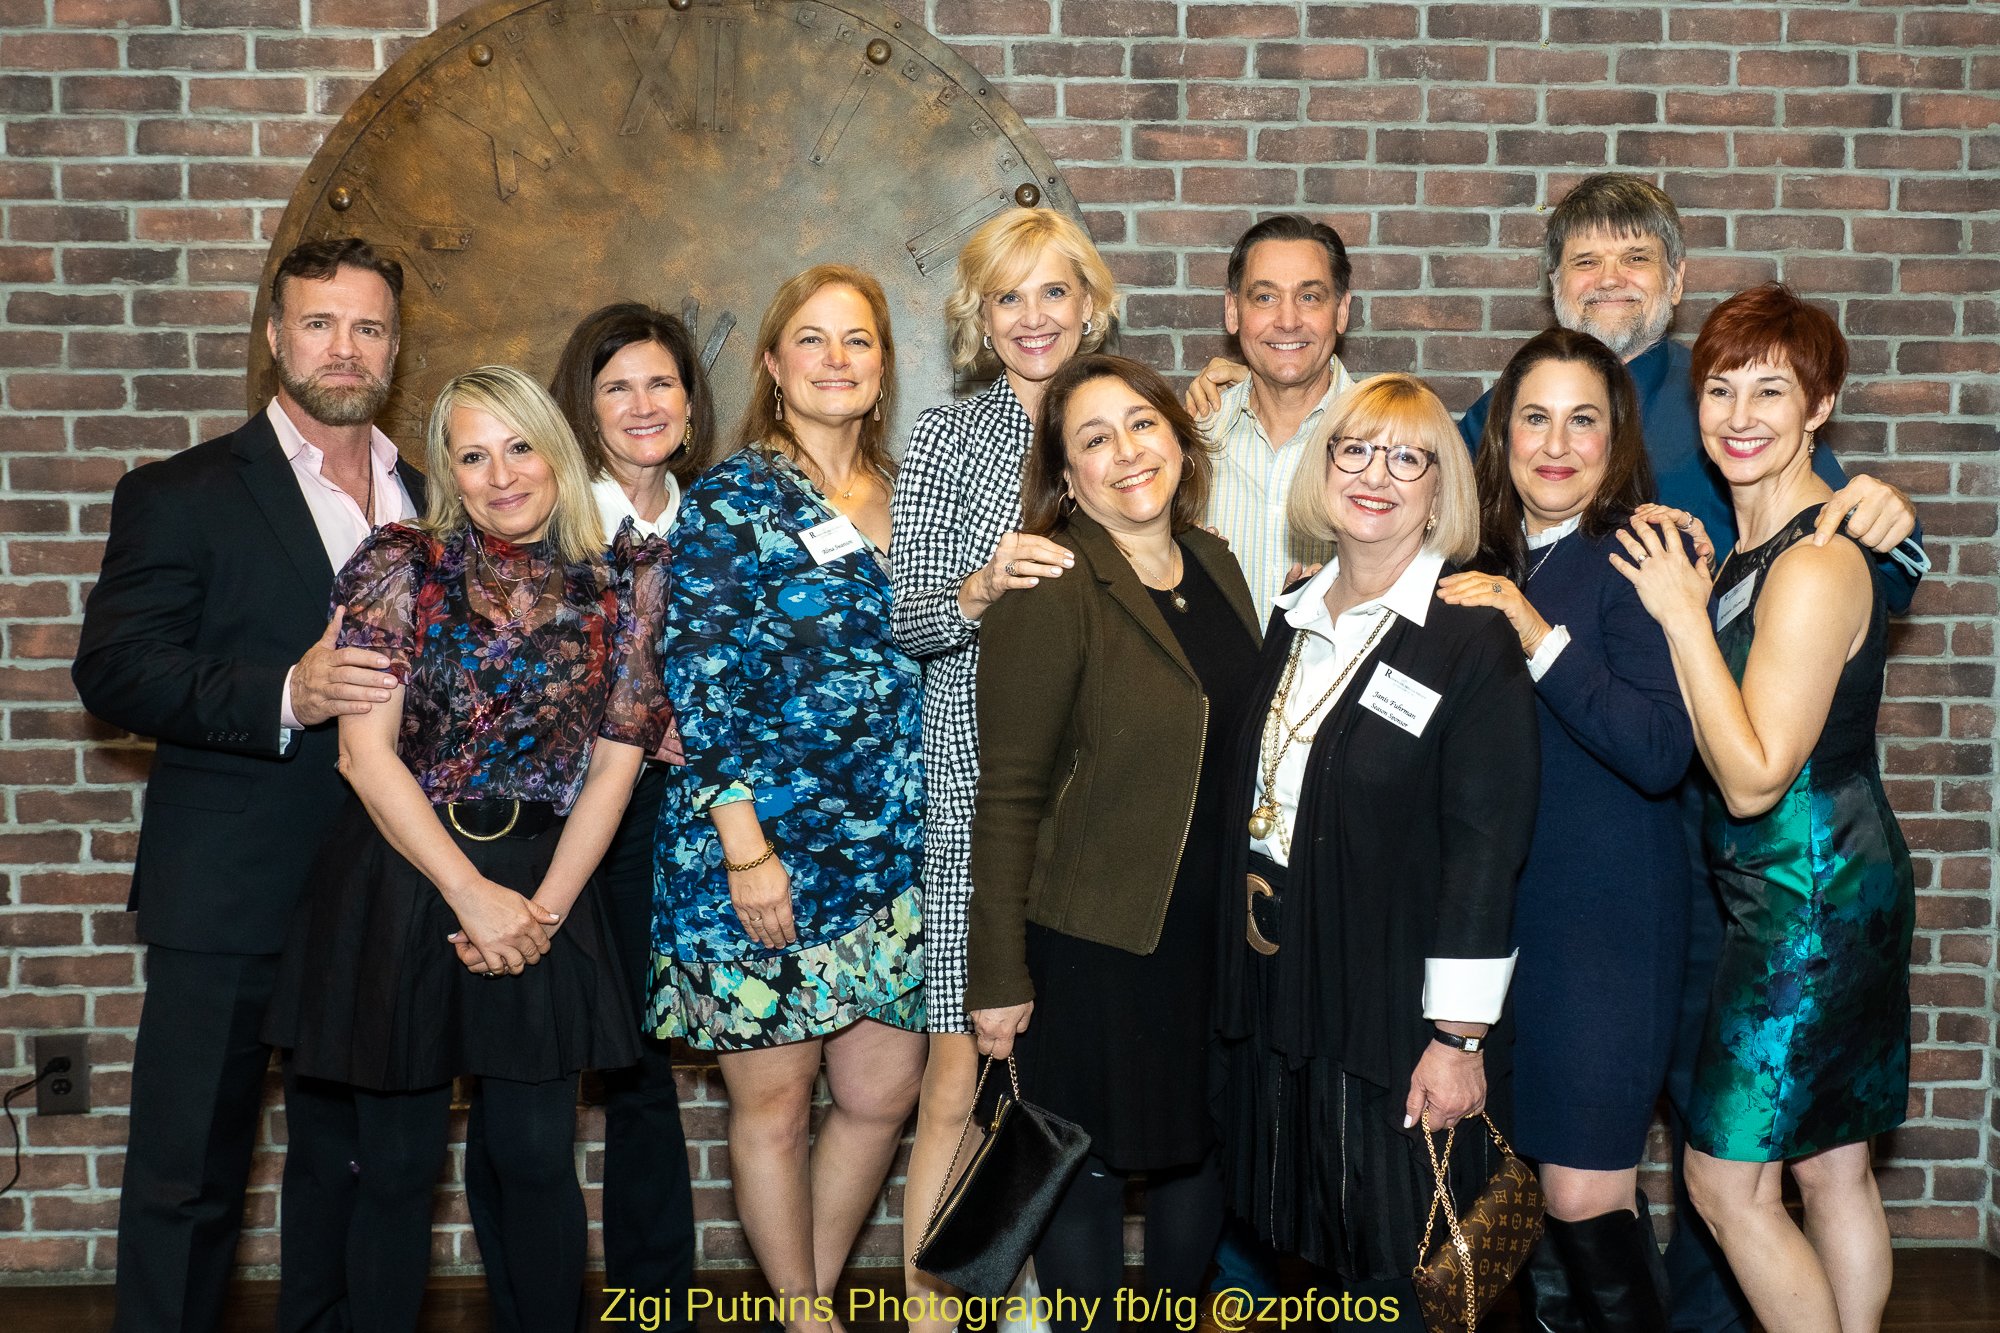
(787,884)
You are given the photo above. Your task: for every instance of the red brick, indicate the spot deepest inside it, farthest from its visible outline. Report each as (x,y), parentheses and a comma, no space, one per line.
(1793,69)
(91,265)
(1908,235)
(1359,21)
(24,94)
(1841,193)
(1311,60)
(113,13)
(1184,226)
(1235,101)
(1462,64)
(1357,186)
(371,14)
(64,393)
(1481,106)
(1957,32)
(1950,275)
(1121,18)
(1543,67)
(1948,196)
(1087,60)
(1734,25)
(1463,147)
(1666,148)
(1901,318)
(1190,143)
(1848,110)
(1366,103)
(260,94)
(121,181)
(132,351)
(1122,100)
(65,308)
(1121,185)
(66,138)
(240,13)
(183,51)
(1780,149)
(1312,143)
(1424,228)
(1692,68)
(1603,23)
(1238,185)
(22,349)
(195,138)
(1909,152)
(1948,111)
(1897,69)
(186,393)
(1186,60)
(73,971)
(1721,108)
(58,51)
(191,224)
(1484,23)
(25,263)
(121,92)
(313,54)
(1241,20)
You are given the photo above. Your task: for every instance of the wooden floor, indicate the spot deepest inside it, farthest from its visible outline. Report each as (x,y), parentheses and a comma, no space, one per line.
(1936,1291)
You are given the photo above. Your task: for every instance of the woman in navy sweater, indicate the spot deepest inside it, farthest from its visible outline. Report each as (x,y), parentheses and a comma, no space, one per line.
(1601,914)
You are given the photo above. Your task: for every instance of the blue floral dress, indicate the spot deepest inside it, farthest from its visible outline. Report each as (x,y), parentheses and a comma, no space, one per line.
(790,691)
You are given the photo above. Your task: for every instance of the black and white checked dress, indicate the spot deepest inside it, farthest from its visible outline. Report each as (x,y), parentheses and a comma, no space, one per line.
(958,492)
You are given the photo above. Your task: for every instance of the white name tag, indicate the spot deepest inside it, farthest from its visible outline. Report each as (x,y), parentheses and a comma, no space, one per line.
(1403,701)
(1733,602)
(828,541)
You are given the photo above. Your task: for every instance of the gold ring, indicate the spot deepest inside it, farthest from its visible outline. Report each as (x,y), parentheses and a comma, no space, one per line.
(451,816)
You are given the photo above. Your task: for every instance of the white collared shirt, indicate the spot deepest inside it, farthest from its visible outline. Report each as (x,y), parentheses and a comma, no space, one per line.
(1557,638)
(336,515)
(1463,990)
(614,507)
(1253,477)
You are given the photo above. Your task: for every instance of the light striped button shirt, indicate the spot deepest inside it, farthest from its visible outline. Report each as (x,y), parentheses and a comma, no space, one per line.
(1252,478)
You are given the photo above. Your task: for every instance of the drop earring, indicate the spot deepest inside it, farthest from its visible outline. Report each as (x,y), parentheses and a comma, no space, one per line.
(1811,444)
(778,397)
(1431,523)
(880,395)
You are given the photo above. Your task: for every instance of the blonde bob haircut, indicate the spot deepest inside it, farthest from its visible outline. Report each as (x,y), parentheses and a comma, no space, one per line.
(999,256)
(1391,409)
(576,532)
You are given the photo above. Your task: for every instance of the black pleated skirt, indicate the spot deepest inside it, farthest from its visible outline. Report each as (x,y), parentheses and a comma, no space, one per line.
(371,993)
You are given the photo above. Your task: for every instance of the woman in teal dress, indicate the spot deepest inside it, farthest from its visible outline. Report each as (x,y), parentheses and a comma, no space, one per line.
(786,882)
(1807,1049)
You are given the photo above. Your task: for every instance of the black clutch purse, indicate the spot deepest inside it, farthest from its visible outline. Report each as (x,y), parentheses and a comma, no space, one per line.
(982,1231)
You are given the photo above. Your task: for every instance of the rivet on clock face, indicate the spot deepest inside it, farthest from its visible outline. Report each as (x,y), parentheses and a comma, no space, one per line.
(342,198)
(481,54)
(879,52)
(1028,195)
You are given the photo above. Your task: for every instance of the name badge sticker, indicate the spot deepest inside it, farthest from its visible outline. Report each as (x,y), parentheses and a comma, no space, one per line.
(1403,701)
(1733,602)
(828,541)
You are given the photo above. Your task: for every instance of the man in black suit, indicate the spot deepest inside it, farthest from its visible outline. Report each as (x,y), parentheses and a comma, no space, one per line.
(207,631)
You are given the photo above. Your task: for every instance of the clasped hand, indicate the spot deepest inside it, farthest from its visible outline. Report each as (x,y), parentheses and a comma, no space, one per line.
(499,931)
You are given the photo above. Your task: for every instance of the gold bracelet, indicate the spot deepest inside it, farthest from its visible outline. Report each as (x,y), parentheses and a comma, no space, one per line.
(770,850)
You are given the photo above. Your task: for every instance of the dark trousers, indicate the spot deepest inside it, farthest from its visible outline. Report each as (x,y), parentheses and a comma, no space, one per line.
(1704,1295)
(197,1094)
(648,1198)
(1082,1255)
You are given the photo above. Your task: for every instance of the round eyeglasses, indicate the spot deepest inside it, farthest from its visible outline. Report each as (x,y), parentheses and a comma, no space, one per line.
(1406,462)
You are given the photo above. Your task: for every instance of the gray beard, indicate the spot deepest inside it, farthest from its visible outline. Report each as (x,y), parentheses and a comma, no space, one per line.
(1635,339)
(356,406)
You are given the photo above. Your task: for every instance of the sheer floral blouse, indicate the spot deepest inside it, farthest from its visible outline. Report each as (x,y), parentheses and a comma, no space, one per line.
(514,664)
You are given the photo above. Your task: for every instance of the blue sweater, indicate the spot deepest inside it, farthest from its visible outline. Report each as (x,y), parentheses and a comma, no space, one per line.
(1686,479)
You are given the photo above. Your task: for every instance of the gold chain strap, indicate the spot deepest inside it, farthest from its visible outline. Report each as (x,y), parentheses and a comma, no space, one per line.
(1279,738)
(951,1172)
(1441,1198)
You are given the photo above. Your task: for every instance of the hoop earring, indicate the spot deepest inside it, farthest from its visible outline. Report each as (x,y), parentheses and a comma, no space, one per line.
(880,394)
(778,396)
(986,341)
(1089,327)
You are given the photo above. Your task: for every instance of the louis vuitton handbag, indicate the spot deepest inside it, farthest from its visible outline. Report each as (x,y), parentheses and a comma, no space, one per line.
(1458,1284)
(982,1230)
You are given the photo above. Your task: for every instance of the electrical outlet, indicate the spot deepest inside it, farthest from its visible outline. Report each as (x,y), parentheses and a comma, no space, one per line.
(64,1057)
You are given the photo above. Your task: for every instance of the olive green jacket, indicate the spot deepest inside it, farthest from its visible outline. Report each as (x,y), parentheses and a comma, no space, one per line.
(1092,727)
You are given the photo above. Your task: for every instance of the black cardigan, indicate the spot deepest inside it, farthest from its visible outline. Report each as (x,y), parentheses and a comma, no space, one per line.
(1405,848)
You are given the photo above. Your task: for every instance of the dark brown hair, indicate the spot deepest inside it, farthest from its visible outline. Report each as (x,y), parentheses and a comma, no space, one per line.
(1291,227)
(603,334)
(320,260)
(1628,476)
(1772,324)
(1043,484)
(762,427)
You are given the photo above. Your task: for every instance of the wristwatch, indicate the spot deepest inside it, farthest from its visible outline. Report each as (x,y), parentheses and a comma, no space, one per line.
(1470,1045)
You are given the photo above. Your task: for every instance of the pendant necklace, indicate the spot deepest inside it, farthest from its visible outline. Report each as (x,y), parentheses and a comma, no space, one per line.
(1173,591)
(1543,561)
(1280,735)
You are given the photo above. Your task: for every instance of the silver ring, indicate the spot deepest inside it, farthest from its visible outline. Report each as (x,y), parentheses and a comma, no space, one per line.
(1641,557)
(1496,590)
(1008,569)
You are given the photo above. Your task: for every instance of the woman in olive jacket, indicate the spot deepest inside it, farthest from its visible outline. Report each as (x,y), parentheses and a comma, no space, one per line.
(1105,703)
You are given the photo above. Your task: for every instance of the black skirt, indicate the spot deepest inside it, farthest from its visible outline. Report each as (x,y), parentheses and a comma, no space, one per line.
(371,993)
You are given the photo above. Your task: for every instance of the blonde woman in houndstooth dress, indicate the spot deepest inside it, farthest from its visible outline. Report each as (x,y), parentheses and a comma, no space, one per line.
(1031,292)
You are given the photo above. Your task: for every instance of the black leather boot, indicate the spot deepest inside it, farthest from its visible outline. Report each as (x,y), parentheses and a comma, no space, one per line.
(1611,1260)
(1547,1304)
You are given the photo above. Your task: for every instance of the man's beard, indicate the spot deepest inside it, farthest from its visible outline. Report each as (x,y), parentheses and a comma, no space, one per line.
(1635,338)
(346,405)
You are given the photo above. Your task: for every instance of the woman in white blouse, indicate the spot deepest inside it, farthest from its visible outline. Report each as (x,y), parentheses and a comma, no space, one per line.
(629,380)
(1386,797)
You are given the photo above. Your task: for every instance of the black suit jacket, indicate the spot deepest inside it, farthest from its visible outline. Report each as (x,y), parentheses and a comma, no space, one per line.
(214,584)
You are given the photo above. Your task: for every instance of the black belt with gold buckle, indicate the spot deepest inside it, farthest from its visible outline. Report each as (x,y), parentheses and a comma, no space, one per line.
(504,817)
(1264,889)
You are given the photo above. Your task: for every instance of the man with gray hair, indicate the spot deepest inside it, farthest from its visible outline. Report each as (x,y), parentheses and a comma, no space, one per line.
(1616,264)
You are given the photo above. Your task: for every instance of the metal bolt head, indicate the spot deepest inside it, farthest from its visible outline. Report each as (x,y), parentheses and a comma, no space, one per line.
(342,198)
(879,52)
(481,54)
(1028,195)
(680,6)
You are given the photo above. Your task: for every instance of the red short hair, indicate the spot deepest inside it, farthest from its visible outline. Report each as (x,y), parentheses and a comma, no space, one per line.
(1771,324)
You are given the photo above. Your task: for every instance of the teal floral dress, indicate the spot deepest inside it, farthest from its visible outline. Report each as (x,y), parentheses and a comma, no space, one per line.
(790,691)
(1808,1038)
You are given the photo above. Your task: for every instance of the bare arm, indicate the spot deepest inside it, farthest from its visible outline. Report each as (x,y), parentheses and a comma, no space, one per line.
(507,930)
(593,821)
(1811,618)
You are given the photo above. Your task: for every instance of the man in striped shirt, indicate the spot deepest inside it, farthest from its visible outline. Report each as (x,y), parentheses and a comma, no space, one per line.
(1287,304)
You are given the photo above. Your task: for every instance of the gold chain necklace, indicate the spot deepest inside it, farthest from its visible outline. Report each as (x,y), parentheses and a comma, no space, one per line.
(1279,738)
(510,586)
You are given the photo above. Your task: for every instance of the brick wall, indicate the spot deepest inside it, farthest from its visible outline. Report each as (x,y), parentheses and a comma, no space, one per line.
(1849,148)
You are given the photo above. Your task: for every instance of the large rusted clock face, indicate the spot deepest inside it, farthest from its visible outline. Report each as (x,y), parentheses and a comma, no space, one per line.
(535,159)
